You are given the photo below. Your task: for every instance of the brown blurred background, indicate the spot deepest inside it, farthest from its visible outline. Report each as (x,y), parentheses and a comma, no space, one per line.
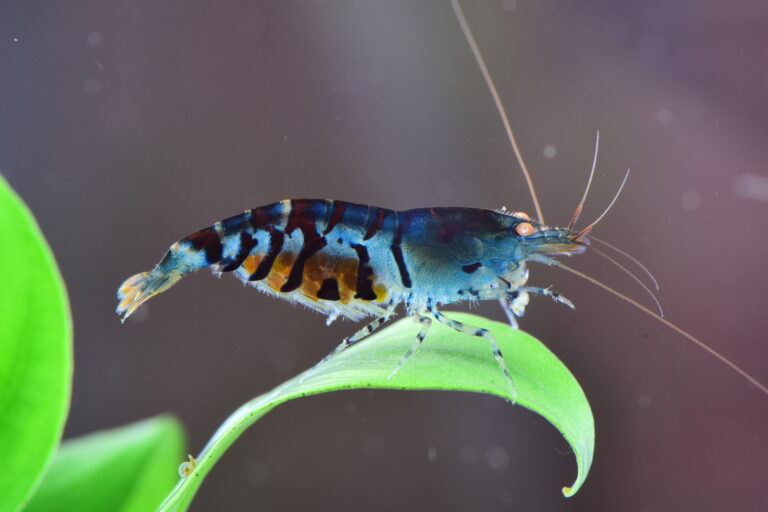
(126,125)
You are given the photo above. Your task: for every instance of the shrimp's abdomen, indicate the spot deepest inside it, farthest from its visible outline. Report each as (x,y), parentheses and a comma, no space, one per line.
(332,256)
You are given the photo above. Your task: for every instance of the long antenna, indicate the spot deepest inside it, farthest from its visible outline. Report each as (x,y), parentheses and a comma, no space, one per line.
(504,119)
(666,322)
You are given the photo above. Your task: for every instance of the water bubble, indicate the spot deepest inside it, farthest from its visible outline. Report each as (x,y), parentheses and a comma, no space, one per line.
(664,116)
(257,473)
(653,48)
(92,87)
(509,5)
(550,151)
(691,201)
(372,445)
(751,186)
(497,458)
(94,38)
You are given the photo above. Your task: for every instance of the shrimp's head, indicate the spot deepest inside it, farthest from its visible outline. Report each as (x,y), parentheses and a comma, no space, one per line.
(539,243)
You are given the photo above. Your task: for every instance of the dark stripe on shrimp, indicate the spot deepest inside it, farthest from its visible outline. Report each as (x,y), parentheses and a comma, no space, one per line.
(208,240)
(397,253)
(376,224)
(304,216)
(337,213)
(247,243)
(232,225)
(364,285)
(469,269)
(261,218)
(276,239)
(329,290)
(297,270)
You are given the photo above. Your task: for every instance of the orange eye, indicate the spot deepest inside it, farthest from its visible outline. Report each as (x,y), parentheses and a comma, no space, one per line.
(524,229)
(521,215)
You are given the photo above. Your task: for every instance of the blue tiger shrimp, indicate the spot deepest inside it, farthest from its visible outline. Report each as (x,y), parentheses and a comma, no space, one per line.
(350,260)
(353,261)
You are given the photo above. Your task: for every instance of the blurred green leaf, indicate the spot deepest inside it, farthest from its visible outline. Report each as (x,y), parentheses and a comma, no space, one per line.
(447,360)
(126,469)
(35,352)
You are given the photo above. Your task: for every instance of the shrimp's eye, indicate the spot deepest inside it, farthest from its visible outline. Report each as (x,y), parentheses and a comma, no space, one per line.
(521,215)
(524,229)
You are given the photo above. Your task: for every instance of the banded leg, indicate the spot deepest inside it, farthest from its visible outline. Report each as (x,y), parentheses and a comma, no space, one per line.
(481,333)
(426,323)
(549,293)
(358,336)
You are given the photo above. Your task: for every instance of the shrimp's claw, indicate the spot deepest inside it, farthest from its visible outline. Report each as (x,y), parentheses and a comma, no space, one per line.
(556,296)
(140,287)
(563,300)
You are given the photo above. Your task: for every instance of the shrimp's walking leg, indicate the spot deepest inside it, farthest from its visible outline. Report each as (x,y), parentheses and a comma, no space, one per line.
(359,335)
(426,323)
(548,292)
(514,305)
(481,333)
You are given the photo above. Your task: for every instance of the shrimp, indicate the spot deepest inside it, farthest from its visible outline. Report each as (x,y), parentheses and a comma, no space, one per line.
(352,261)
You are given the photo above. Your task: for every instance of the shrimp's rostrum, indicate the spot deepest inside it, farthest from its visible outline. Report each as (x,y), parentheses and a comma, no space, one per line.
(350,260)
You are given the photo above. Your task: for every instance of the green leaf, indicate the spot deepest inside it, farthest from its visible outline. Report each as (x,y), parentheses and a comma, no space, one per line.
(447,360)
(35,352)
(126,469)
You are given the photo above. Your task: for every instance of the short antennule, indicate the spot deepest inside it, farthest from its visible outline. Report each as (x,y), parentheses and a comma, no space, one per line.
(589,228)
(577,212)
(633,276)
(630,258)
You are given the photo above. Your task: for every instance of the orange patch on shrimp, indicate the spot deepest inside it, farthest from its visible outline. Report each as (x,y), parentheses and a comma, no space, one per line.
(345,271)
(320,267)
(381,292)
(317,269)
(281,268)
(251,263)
